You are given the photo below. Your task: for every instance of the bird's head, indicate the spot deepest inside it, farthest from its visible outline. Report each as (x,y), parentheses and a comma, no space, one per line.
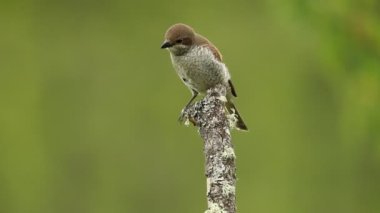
(178,39)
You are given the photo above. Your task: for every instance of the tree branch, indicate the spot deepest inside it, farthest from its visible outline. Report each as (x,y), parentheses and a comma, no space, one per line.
(214,127)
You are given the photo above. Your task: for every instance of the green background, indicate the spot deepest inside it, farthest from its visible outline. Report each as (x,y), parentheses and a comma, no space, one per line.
(89,102)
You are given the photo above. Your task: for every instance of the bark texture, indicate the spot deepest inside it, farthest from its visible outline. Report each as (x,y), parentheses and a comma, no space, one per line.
(214,127)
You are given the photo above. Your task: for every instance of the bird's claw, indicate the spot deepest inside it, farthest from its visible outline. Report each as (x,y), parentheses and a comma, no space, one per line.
(185,119)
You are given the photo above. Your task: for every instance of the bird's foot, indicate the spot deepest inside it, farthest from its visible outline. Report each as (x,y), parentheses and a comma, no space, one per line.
(185,119)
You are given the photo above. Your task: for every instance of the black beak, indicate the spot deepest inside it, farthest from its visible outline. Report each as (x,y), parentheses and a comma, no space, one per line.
(166,44)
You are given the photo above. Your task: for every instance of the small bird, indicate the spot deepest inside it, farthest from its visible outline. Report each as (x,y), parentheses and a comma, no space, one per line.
(199,65)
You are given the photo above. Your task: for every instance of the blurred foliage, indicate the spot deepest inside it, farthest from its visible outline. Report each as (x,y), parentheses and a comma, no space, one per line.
(88,106)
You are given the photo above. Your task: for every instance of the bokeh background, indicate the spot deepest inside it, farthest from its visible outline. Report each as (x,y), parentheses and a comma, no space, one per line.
(89,106)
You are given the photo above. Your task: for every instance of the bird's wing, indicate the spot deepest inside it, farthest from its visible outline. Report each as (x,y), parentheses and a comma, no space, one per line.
(202,41)
(218,56)
(214,51)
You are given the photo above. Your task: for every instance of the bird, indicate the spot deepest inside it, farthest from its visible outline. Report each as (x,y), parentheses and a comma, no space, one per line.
(199,65)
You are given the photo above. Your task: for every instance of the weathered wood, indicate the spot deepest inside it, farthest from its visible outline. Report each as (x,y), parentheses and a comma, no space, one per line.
(210,117)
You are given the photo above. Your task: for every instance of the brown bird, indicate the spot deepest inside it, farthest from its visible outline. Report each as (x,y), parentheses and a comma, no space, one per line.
(199,64)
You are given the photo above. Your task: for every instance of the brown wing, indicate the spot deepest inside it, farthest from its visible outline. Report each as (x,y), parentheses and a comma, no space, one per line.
(202,41)
(215,51)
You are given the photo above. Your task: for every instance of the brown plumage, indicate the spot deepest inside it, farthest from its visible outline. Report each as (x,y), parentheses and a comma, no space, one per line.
(199,64)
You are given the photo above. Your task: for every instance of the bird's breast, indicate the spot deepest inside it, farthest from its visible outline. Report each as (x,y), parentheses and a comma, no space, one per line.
(199,69)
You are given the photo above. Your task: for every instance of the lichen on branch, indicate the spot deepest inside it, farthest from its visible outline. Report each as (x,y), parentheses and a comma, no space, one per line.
(210,117)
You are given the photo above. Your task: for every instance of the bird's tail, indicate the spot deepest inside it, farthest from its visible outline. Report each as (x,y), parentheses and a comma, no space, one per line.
(232,110)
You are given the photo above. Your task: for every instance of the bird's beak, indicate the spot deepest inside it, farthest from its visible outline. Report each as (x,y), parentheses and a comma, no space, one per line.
(166,44)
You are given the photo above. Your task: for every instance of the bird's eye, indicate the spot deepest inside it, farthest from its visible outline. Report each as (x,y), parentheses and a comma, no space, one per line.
(178,41)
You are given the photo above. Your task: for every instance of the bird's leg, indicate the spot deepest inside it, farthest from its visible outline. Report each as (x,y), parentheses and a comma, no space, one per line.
(182,115)
(195,94)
